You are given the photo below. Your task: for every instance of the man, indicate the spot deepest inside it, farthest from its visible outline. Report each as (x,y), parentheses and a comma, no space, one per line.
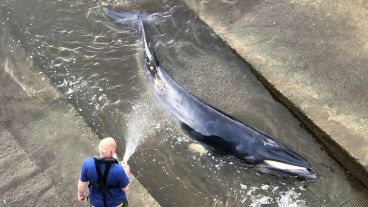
(108,180)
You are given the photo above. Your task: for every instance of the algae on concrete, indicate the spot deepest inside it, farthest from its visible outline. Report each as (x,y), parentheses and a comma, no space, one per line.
(313,56)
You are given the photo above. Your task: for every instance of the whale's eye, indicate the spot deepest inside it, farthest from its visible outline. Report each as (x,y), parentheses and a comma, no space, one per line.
(152,67)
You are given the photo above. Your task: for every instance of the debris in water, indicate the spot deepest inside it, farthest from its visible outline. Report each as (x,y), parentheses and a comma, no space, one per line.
(198,148)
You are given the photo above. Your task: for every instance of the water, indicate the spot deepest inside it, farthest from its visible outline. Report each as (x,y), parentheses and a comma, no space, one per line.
(96,64)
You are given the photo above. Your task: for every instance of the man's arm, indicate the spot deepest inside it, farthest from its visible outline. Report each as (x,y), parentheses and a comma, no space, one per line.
(127,173)
(83,181)
(126,168)
(82,187)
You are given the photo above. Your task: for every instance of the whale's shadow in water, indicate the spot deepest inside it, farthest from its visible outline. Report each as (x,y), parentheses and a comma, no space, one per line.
(211,126)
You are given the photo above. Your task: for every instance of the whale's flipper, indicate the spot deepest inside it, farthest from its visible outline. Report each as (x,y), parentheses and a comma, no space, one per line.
(279,168)
(220,145)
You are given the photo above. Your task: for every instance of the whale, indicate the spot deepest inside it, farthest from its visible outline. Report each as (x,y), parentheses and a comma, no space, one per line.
(225,134)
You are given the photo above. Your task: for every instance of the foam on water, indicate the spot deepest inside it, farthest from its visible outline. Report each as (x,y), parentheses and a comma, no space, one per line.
(290,198)
(264,194)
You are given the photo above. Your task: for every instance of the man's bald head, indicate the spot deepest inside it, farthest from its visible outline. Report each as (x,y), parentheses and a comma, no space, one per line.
(107,147)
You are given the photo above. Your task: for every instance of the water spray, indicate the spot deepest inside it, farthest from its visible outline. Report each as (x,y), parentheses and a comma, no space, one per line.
(139,125)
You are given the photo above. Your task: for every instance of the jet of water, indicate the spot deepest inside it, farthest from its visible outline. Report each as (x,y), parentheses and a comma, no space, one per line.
(141,123)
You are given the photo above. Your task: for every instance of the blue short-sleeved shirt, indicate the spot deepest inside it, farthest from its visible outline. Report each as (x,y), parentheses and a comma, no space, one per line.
(116,177)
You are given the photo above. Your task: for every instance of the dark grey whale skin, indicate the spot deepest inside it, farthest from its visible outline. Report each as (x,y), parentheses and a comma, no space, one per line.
(213,127)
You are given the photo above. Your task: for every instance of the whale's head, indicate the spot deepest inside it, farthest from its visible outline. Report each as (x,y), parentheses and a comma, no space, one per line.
(279,160)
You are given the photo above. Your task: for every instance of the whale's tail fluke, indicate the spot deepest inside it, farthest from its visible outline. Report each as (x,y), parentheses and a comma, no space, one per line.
(133,17)
(124,17)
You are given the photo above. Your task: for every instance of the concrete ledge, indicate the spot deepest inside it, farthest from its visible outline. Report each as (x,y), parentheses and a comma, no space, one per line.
(313,57)
(43,140)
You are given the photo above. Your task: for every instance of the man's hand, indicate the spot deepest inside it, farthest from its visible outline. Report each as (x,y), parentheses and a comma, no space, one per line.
(81,197)
(82,187)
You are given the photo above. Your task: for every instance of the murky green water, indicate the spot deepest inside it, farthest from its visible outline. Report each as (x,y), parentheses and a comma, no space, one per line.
(96,64)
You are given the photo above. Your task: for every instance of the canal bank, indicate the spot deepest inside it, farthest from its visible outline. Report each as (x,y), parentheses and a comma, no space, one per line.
(313,58)
(43,140)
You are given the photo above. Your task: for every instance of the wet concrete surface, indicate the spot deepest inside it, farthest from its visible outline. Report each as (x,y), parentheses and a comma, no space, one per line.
(313,57)
(43,140)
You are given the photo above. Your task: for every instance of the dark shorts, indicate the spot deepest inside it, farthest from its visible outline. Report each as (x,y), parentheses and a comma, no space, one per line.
(124,204)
